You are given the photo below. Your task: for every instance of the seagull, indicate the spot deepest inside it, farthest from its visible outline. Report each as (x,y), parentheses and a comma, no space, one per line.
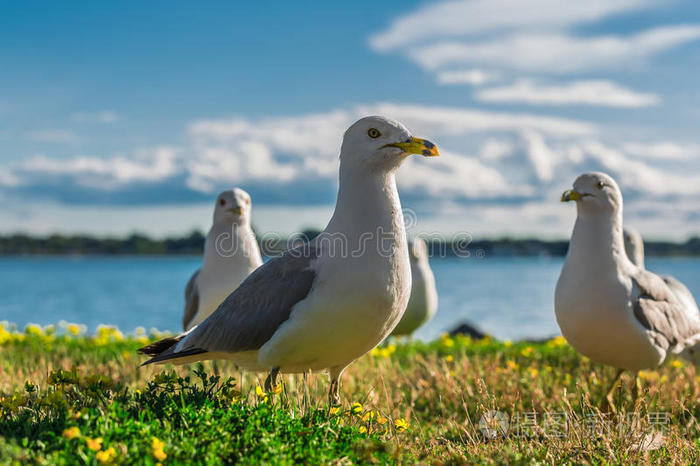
(231,253)
(634,245)
(609,309)
(323,304)
(424,299)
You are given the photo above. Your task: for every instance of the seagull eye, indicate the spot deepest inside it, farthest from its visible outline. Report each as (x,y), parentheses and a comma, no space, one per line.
(601,185)
(373,133)
(222,202)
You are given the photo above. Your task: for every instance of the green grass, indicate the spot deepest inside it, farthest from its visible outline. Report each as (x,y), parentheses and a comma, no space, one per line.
(404,403)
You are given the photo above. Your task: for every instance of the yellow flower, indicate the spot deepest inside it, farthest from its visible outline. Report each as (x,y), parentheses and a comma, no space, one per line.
(71,433)
(277,389)
(400,425)
(157,444)
(160,455)
(333,410)
(383,352)
(512,365)
(648,375)
(363,429)
(260,393)
(527,351)
(94,444)
(369,416)
(157,447)
(446,340)
(356,408)
(106,456)
(34,329)
(677,363)
(74,329)
(507,343)
(533,372)
(381,420)
(449,358)
(557,342)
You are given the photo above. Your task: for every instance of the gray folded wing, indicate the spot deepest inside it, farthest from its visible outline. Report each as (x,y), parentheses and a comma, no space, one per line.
(250,315)
(659,309)
(191,301)
(682,292)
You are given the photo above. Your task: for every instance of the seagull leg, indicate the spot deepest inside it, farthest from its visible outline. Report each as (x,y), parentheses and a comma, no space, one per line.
(271,380)
(637,388)
(608,404)
(333,396)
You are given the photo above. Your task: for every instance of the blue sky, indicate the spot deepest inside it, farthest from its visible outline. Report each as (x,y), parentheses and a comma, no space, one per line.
(133,116)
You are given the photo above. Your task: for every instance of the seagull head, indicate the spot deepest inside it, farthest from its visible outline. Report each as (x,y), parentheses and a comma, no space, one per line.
(595,193)
(232,206)
(381,143)
(417,250)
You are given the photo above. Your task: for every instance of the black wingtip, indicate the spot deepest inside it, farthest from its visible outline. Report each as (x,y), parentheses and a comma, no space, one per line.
(171,355)
(160,346)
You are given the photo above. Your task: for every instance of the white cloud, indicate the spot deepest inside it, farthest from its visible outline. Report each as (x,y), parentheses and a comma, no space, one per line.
(538,36)
(554,52)
(592,92)
(469,17)
(102,173)
(456,120)
(472,77)
(666,150)
(453,175)
(492,164)
(103,116)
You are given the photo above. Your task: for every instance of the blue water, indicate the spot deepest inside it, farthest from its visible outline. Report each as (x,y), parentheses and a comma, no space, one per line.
(506,297)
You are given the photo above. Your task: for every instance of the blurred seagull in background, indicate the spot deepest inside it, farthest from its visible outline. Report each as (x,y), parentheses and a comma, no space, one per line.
(634,246)
(231,253)
(424,299)
(316,307)
(608,308)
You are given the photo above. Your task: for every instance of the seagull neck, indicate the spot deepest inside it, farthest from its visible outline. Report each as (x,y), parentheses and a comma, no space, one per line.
(598,237)
(368,203)
(226,239)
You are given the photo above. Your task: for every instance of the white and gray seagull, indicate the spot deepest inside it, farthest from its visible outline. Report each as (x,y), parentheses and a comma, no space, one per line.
(634,245)
(608,308)
(231,253)
(424,298)
(320,306)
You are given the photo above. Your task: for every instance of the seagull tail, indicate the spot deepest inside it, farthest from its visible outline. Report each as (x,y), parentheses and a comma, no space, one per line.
(163,351)
(160,346)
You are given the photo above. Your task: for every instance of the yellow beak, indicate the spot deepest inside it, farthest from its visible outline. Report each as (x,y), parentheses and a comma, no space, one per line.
(418,146)
(570,195)
(237,210)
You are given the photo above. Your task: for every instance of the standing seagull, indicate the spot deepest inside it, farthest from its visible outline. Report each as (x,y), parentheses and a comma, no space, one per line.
(231,253)
(634,245)
(325,303)
(609,309)
(424,299)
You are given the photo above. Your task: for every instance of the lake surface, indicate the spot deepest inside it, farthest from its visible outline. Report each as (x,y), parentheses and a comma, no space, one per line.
(506,297)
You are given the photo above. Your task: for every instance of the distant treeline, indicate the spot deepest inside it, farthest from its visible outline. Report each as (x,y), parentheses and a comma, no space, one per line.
(21,245)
